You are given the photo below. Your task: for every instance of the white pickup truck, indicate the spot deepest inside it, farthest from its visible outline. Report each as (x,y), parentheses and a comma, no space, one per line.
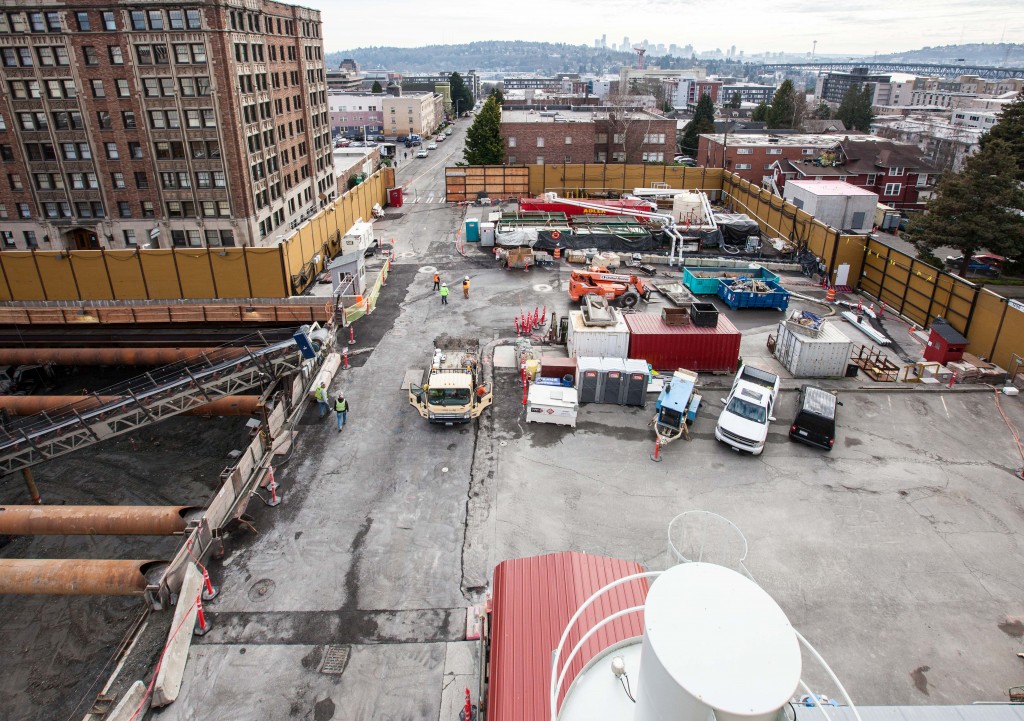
(743,424)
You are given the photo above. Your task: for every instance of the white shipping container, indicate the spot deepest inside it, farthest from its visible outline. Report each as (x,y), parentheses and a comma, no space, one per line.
(597,341)
(824,356)
(358,238)
(552,404)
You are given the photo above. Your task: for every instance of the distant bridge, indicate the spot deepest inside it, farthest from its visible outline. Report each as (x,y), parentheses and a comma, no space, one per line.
(940,69)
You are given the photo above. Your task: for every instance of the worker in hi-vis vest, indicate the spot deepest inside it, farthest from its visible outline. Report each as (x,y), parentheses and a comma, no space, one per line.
(321,398)
(437,281)
(444,294)
(465,287)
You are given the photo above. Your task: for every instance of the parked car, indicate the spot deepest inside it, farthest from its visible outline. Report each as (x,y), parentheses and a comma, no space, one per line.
(431,145)
(440,137)
(422,153)
(986,264)
(449,131)
(401,138)
(815,422)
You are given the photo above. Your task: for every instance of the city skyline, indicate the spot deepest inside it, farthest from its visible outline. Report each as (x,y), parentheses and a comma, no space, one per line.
(792,26)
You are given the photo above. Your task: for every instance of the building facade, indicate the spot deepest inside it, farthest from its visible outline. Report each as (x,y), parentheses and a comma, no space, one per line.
(160,125)
(832,86)
(751,155)
(568,136)
(749,92)
(355,114)
(427,81)
(343,81)
(420,113)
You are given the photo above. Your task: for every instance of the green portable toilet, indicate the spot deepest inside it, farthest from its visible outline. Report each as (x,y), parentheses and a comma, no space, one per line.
(472,230)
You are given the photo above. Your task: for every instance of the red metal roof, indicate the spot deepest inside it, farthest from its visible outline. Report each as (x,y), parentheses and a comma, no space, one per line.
(651,323)
(533,600)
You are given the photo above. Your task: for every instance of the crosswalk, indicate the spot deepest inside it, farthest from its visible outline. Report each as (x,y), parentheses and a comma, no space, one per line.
(430,199)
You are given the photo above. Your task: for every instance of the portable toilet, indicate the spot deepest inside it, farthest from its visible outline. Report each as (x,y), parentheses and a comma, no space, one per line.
(637,379)
(614,380)
(487,235)
(589,380)
(945,344)
(472,230)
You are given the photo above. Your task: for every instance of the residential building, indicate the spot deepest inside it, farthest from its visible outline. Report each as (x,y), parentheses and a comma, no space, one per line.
(548,84)
(163,124)
(897,91)
(749,92)
(942,98)
(832,86)
(427,81)
(355,114)
(751,155)
(686,93)
(947,144)
(420,113)
(587,136)
(896,172)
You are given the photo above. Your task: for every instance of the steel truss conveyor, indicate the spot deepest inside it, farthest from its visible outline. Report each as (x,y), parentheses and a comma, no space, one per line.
(147,399)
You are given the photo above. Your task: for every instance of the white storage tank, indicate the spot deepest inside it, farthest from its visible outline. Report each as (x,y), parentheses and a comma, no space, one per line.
(824,355)
(610,341)
(688,207)
(715,645)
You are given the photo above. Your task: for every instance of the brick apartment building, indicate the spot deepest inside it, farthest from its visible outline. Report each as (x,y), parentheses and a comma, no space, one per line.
(160,124)
(575,136)
(896,172)
(750,155)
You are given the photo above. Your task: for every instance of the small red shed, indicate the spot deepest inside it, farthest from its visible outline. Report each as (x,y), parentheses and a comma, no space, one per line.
(945,344)
(395,197)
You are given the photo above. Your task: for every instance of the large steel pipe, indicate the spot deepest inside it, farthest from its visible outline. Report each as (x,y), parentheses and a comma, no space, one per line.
(108,356)
(30,405)
(93,520)
(78,577)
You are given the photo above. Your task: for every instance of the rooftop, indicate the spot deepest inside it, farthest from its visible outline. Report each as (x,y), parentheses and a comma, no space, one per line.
(806,140)
(829,187)
(570,116)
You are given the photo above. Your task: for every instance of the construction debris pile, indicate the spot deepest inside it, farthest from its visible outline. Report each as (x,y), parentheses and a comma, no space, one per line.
(749,285)
(805,323)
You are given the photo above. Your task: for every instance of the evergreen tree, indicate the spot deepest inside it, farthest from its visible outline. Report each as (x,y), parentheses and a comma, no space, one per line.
(483,139)
(496,92)
(461,92)
(855,110)
(703,122)
(1010,130)
(784,107)
(823,111)
(736,101)
(760,113)
(376,87)
(978,208)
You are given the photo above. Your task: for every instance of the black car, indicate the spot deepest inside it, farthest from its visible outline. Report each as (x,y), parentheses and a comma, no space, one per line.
(815,422)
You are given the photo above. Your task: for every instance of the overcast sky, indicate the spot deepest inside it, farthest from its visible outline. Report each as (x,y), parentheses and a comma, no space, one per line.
(856,26)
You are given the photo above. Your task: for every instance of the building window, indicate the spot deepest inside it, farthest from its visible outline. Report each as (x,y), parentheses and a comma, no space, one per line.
(89,56)
(872,179)
(540,142)
(141,181)
(147,209)
(117,180)
(109,21)
(176,19)
(892,189)
(97,89)
(653,157)
(774,151)
(116,56)
(8,237)
(135,151)
(103,118)
(124,209)
(922,180)
(655,138)
(14,181)
(193,19)
(742,166)
(807,151)
(896,172)
(112,153)
(30,239)
(511,142)
(24,211)
(618,157)
(83,22)
(156,20)
(540,160)
(744,151)
(129,237)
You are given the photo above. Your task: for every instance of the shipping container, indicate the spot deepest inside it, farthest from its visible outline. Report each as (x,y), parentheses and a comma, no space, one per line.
(824,355)
(704,281)
(696,348)
(597,341)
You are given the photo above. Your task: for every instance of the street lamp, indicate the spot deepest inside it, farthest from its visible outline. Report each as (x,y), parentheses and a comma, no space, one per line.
(456,108)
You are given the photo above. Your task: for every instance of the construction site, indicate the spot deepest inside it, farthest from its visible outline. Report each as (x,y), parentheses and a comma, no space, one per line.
(625,447)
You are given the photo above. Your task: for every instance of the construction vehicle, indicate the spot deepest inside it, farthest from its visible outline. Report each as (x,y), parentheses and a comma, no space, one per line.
(455,391)
(677,407)
(623,290)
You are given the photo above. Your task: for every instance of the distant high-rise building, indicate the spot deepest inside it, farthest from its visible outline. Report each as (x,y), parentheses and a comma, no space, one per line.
(129,125)
(626,47)
(604,41)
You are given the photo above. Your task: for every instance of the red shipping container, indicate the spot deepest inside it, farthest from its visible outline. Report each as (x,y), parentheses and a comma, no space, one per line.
(668,347)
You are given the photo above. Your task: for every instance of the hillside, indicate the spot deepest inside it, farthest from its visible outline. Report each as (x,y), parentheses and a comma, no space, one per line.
(492,56)
(996,54)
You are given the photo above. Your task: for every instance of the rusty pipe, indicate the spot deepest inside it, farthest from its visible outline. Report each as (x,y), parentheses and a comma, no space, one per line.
(109,356)
(29,405)
(78,577)
(94,520)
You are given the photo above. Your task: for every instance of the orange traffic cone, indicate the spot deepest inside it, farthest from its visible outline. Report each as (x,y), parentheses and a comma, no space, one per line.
(830,296)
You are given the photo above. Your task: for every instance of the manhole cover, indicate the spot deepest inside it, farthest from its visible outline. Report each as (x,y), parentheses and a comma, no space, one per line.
(503,443)
(427,269)
(542,288)
(399,332)
(335,660)
(261,590)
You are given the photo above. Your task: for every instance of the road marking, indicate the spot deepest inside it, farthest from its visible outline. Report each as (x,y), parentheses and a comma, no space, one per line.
(944,407)
(441,199)
(430,199)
